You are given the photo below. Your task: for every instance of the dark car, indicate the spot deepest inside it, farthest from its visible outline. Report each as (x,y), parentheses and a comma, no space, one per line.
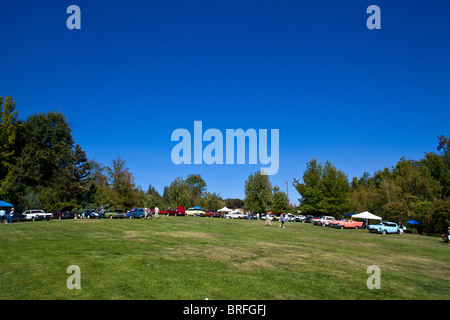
(90,214)
(64,213)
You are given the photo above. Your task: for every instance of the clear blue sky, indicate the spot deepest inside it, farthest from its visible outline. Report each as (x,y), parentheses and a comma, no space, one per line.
(138,70)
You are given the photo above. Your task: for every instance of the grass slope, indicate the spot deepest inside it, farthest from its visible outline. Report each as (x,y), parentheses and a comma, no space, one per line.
(197,258)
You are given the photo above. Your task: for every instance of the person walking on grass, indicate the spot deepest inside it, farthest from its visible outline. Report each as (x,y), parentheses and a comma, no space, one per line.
(282,220)
(156,212)
(268,218)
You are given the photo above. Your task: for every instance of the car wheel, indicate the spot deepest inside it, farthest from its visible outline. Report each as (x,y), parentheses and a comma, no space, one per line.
(356,227)
(383,232)
(110,217)
(342,227)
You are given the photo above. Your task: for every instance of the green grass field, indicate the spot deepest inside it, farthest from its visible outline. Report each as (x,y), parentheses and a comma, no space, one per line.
(196,258)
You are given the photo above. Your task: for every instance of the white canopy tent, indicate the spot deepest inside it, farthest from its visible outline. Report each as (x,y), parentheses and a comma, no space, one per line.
(366,215)
(224,209)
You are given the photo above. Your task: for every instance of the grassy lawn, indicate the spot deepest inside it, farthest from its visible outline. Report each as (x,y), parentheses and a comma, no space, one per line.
(197,258)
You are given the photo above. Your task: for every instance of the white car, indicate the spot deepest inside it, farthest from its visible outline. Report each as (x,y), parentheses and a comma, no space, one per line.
(37,214)
(290,217)
(236,215)
(324,221)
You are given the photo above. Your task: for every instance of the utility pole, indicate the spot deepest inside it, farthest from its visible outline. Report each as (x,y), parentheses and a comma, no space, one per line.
(287,192)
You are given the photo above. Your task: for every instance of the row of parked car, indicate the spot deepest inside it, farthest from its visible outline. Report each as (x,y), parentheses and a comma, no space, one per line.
(382,227)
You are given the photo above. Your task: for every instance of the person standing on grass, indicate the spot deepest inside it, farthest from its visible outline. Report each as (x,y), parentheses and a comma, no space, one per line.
(400,227)
(2,216)
(156,212)
(268,218)
(11,213)
(448,236)
(282,220)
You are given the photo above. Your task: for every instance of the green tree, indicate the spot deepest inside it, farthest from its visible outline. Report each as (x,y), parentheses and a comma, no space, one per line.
(8,133)
(279,201)
(179,193)
(212,201)
(309,190)
(258,192)
(325,190)
(122,184)
(197,187)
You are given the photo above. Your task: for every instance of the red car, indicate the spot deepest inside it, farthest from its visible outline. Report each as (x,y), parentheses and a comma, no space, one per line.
(179,211)
(212,214)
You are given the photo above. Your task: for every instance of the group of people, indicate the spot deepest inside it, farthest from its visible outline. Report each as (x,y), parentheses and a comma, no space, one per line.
(6,217)
(282,220)
(147,213)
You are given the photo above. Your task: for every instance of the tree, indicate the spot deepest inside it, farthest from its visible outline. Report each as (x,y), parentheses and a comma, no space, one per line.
(197,187)
(122,183)
(258,192)
(279,201)
(179,193)
(325,190)
(48,163)
(8,133)
(444,149)
(309,190)
(212,201)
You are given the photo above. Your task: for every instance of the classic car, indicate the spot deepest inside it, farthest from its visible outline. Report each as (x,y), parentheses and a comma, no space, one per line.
(37,214)
(385,227)
(89,214)
(212,214)
(195,211)
(346,224)
(138,213)
(323,221)
(178,211)
(236,215)
(272,217)
(111,214)
(64,214)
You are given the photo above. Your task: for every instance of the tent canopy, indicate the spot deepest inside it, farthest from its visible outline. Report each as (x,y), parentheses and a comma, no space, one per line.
(366,215)
(5,204)
(349,214)
(412,222)
(224,209)
(197,208)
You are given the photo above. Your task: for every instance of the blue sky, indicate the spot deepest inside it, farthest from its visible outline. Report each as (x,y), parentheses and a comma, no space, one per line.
(138,70)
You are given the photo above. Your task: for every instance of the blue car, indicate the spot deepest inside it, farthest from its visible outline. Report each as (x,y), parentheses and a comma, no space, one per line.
(138,213)
(384,227)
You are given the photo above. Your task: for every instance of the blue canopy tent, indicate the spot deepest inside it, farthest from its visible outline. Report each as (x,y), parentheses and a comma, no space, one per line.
(349,214)
(4,204)
(197,208)
(412,222)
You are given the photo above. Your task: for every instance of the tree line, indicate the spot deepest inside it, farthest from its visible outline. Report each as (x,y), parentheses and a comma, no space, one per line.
(41,166)
(411,190)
